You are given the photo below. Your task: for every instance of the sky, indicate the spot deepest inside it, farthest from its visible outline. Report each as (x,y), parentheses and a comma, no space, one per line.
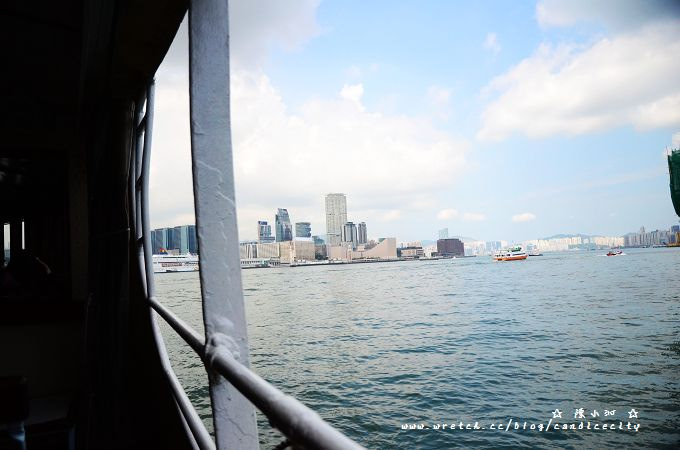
(497,120)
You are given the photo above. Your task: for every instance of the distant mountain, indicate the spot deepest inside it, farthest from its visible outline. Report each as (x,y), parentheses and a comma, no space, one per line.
(464,238)
(562,236)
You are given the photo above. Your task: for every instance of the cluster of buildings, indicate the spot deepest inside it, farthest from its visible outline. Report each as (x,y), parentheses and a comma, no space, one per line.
(574,243)
(176,240)
(344,240)
(645,238)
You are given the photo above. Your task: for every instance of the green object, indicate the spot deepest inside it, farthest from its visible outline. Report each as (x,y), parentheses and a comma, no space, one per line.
(674,171)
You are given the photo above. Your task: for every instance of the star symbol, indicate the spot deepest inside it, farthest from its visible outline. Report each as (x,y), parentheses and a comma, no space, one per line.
(557,414)
(632,414)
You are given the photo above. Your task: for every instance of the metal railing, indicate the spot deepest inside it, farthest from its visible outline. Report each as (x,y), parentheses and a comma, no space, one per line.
(302,426)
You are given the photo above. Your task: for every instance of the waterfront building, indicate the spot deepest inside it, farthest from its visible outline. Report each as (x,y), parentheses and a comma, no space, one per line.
(429,250)
(303,229)
(474,248)
(342,252)
(296,251)
(493,246)
(386,249)
(444,233)
(159,240)
(412,252)
(248,250)
(320,250)
(362,235)
(284,230)
(264,232)
(349,234)
(649,238)
(336,217)
(181,239)
(450,247)
(192,239)
(176,240)
(268,250)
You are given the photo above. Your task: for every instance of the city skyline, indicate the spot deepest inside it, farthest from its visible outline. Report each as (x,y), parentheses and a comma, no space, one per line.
(423,129)
(655,236)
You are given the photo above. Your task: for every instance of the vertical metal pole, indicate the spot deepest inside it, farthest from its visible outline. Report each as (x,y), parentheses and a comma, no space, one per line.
(145,166)
(214,201)
(2,244)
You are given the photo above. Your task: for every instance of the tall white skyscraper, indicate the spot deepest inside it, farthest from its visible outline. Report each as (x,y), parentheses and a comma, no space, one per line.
(336,217)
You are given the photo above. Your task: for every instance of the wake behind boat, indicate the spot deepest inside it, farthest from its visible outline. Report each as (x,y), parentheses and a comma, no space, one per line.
(510,254)
(175,263)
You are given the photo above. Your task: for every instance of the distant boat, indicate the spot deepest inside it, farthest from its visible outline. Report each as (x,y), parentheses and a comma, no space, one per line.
(510,254)
(175,263)
(535,254)
(616,253)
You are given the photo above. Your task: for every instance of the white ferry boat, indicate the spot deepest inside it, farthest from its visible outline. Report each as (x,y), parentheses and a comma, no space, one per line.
(510,254)
(175,263)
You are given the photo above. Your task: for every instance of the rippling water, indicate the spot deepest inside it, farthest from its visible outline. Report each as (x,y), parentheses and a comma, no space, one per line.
(374,346)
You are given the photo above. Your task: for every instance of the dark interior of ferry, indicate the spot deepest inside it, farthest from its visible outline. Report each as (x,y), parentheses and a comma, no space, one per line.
(79,366)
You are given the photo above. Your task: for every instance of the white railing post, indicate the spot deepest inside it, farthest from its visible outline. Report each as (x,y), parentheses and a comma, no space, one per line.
(214,201)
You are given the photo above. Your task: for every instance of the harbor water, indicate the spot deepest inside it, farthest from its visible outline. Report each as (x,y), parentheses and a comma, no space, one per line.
(405,354)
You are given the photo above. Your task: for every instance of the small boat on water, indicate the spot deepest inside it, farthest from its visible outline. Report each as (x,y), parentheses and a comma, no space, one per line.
(510,254)
(175,263)
(616,253)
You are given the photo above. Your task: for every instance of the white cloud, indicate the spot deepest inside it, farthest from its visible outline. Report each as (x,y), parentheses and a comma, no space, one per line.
(615,14)
(287,159)
(473,217)
(439,99)
(353,93)
(258,26)
(391,215)
(446,214)
(629,79)
(491,43)
(524,217)
(438,95)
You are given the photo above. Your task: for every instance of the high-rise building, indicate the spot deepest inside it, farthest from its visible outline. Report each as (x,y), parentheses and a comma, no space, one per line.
(284,230)
(303,229)
(450,247)
(444,233)
(336,217)
(349,234)
(193,239)
(362,236)
(179,239)
(264,232)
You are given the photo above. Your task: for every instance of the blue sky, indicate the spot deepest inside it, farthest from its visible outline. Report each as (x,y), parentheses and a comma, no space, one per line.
(498,120)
